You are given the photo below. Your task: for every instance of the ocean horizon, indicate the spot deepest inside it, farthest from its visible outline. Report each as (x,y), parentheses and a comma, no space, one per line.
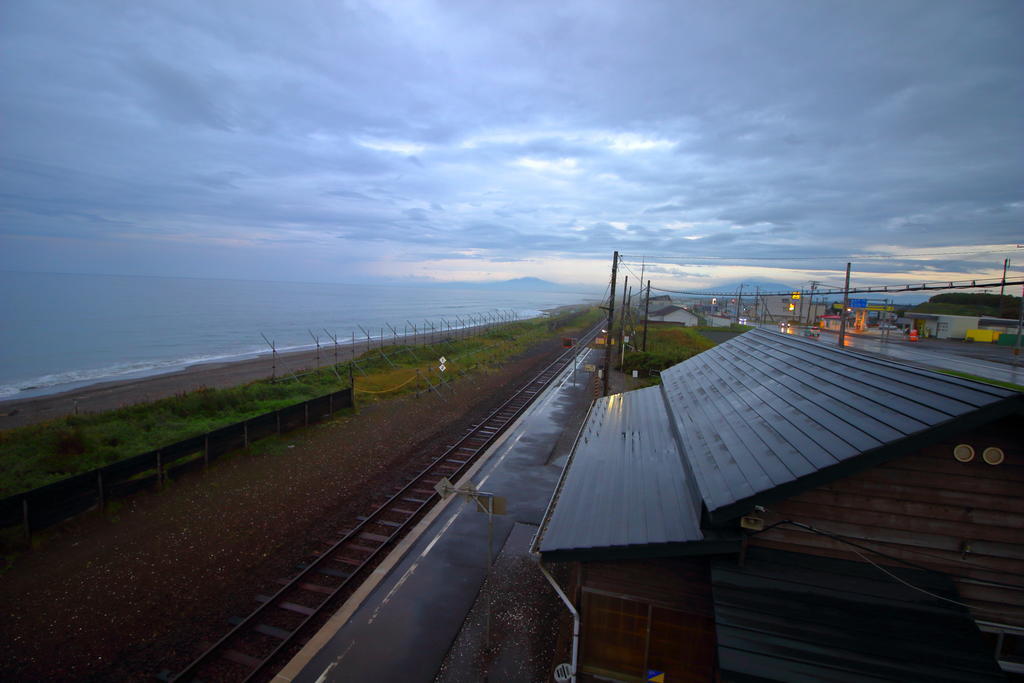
(65,331)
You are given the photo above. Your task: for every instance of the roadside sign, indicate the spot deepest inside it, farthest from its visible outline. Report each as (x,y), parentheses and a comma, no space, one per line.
(563,672)
(858,303)
(441,367)
(795,295)
(442,360)
(881,308)
(589,367)
(655,676)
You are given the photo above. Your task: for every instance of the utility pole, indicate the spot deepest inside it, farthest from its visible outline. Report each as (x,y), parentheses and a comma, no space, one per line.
(647,308)
(810,308)
(1020,323)
(846,302)
(1006,264)
(800,315)
(757,304)
(739,303)
(622,313)
(611,320)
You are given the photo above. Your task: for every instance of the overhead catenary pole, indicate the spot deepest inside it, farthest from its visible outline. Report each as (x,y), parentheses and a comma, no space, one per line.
(647,308)
(611,320)
(1020,323)
(622,313)
(842,315)
(739,303)
(757,303)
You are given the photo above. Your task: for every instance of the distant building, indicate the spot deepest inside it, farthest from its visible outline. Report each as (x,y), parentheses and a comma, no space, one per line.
(673,314)
(784,308)
(941,326)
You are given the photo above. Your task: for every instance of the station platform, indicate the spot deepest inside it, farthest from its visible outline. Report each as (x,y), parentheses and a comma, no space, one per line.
(403,621)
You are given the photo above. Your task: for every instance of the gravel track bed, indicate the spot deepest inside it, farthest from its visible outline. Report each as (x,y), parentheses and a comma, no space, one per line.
(152,582)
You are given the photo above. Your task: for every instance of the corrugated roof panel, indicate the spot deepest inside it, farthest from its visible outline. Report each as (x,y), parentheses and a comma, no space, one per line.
(766,409)
(781,401)
(957,388)
(625,484)
(928,407)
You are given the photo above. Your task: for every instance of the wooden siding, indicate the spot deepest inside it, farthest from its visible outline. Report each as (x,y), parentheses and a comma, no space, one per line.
(926,508)
(676,583)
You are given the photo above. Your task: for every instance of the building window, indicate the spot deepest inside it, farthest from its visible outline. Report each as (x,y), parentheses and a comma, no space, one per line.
(624,639)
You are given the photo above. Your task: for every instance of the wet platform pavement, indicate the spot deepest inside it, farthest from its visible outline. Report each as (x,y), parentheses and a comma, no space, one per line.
(405,625)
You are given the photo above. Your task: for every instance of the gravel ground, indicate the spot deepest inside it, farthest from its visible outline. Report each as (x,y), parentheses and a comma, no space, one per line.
(151,583)
(526,620)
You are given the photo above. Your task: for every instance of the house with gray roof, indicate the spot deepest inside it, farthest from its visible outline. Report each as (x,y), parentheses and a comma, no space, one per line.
(782,510)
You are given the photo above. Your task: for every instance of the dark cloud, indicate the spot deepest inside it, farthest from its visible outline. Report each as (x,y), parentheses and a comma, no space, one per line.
(516,132)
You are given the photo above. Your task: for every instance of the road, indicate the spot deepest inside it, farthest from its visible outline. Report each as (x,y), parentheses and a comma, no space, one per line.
(939,355)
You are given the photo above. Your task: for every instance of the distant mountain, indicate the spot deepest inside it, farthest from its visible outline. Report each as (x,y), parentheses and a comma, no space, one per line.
(751,286)
(532,284)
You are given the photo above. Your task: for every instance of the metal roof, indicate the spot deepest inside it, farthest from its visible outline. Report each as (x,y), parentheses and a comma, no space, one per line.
(998,322)
(767,415)
(795,617)
(665,310)
(756,419)
(625,485)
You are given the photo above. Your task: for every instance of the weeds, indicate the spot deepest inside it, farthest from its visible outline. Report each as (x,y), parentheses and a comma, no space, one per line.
(36,455)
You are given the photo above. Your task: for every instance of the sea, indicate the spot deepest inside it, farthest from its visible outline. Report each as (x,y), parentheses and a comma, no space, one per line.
(65,331)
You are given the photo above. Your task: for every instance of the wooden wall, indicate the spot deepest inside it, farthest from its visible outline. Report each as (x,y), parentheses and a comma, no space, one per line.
(964,519)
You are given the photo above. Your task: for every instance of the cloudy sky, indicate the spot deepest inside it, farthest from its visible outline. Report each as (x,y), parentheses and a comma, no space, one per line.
(337,140)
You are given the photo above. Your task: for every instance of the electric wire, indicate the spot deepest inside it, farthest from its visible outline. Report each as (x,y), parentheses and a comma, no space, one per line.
(826,257)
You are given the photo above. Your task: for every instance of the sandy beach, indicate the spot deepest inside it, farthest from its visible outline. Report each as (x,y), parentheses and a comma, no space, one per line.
(18,412)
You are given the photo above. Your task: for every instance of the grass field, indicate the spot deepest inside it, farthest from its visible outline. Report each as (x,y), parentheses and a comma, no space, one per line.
(666,346)
(36,455)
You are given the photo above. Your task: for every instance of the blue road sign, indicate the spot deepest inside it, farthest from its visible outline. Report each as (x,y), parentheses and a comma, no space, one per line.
(858,303)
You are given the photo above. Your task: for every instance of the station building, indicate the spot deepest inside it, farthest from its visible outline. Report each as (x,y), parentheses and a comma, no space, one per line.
(778,510)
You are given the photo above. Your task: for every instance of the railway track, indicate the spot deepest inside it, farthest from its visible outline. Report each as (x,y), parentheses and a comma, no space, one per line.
(260,640)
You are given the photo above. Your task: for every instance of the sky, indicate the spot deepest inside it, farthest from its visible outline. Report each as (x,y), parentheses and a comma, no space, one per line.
(412,140)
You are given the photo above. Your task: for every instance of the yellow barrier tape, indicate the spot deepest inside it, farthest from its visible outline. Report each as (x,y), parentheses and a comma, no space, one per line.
(384,391)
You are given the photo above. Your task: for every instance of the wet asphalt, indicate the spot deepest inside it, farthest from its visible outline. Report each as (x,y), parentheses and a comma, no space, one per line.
(405,627)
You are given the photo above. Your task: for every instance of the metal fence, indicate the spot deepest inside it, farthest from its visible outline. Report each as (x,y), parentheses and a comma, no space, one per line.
(47,505)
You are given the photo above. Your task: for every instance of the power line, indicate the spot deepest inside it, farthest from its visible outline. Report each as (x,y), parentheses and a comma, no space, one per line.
(886,289)
(838,257)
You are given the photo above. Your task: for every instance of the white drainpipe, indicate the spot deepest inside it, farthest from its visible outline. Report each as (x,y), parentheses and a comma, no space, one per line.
(575,616)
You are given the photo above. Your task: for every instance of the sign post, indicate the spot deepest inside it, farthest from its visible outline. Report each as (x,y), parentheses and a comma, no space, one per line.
(485,502)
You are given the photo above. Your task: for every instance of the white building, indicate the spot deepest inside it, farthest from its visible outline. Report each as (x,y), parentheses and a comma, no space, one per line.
(673,314)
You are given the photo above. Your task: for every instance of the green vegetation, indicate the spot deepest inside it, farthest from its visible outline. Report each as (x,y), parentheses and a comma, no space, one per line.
(993,305)
(666,346)
(36,455)
(986,380)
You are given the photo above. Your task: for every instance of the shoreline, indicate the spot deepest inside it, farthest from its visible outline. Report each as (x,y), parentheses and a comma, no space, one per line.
(119,393)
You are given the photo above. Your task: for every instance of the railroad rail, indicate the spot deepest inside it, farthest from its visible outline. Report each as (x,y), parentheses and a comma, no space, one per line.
(257,641)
